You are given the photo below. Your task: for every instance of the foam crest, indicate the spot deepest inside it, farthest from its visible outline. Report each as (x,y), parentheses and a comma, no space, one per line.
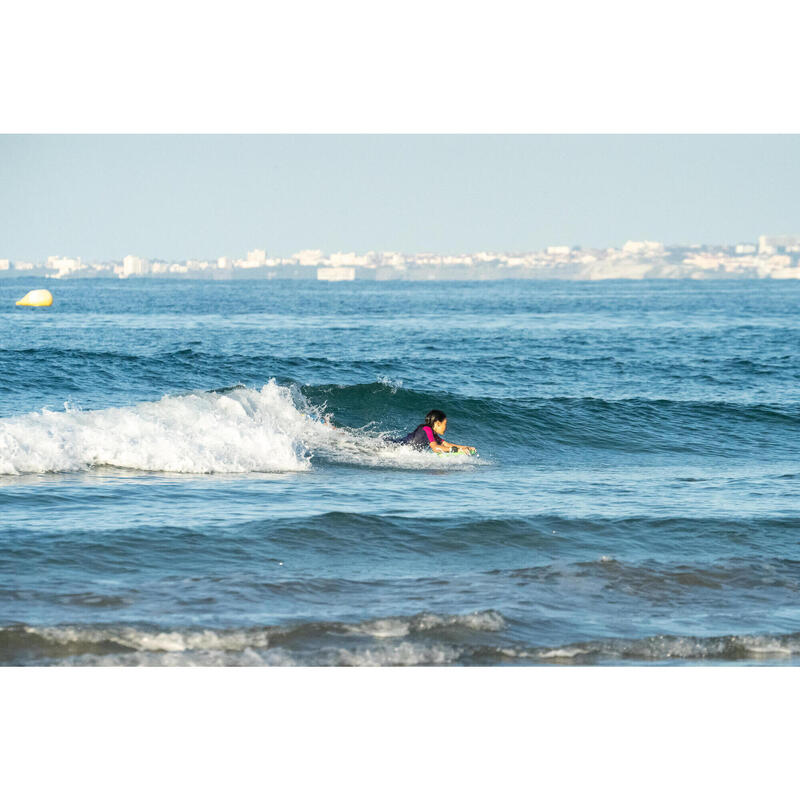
(403,654)
(478,621)
(675,648)
(367,448)
(156,641)
(131,646)
(373,642)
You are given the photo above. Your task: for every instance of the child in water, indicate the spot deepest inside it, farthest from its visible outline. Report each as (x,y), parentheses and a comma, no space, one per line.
(429,434)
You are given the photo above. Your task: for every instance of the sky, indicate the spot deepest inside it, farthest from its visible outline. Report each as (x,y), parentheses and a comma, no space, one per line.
(178,197)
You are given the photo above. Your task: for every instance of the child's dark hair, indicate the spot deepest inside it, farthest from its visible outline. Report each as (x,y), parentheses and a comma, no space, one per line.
(434,416)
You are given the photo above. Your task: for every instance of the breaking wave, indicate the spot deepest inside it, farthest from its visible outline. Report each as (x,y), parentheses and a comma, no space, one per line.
(236,430)
(374,642)
(424,639)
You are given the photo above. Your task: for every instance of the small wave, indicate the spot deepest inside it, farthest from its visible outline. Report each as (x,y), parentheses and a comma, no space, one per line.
(421,640)
(673,649)
(313,642)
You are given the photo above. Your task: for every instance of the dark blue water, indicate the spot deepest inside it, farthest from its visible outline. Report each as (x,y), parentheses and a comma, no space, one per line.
(170,494)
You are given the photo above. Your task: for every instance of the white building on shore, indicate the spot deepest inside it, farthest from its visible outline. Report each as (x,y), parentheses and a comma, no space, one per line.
(63,266)
(643,248)
(309,258)
(133,265)
(771,244)
(255,259)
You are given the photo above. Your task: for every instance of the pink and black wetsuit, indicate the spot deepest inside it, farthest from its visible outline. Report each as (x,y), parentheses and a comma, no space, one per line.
(421,437)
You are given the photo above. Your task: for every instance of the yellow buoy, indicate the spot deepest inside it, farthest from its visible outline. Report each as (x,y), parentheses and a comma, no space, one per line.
(38,297)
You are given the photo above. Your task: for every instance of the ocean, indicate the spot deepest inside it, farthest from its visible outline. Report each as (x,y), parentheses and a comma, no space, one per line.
(171,494)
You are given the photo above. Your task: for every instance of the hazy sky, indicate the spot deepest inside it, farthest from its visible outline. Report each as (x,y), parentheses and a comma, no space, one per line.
(179,197)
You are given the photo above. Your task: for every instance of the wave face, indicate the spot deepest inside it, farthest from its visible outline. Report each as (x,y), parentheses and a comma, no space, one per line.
(172,492)
(561,424)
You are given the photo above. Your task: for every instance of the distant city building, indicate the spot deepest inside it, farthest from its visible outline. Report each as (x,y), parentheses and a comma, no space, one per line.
(772,257)
(771,244)
(431,259)
(133,265)
(57,262)
(336,274)
(61,267)
(642,248)
(392,260)
(255,258)
(308,258)
(347,260)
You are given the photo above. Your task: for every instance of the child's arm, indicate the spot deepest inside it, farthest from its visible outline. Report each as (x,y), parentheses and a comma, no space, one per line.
(439,448)
(434,445)
(449,446)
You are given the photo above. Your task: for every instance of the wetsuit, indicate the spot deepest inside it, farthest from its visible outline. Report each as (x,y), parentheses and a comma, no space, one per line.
(421,437)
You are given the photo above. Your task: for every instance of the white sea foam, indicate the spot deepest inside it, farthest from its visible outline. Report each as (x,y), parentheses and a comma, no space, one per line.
(158,641)
(241,430)
(265,646)
(393,383)
(477,621)
(262,646)
(382,628)
(343,445)
(193,658)
(563,652)
(403,654)
(230,648)
(765,646)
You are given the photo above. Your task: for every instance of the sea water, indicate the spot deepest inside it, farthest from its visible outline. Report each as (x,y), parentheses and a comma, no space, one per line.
(171,492)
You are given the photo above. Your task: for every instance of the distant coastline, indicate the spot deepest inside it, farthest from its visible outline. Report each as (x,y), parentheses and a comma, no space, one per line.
(776,257)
